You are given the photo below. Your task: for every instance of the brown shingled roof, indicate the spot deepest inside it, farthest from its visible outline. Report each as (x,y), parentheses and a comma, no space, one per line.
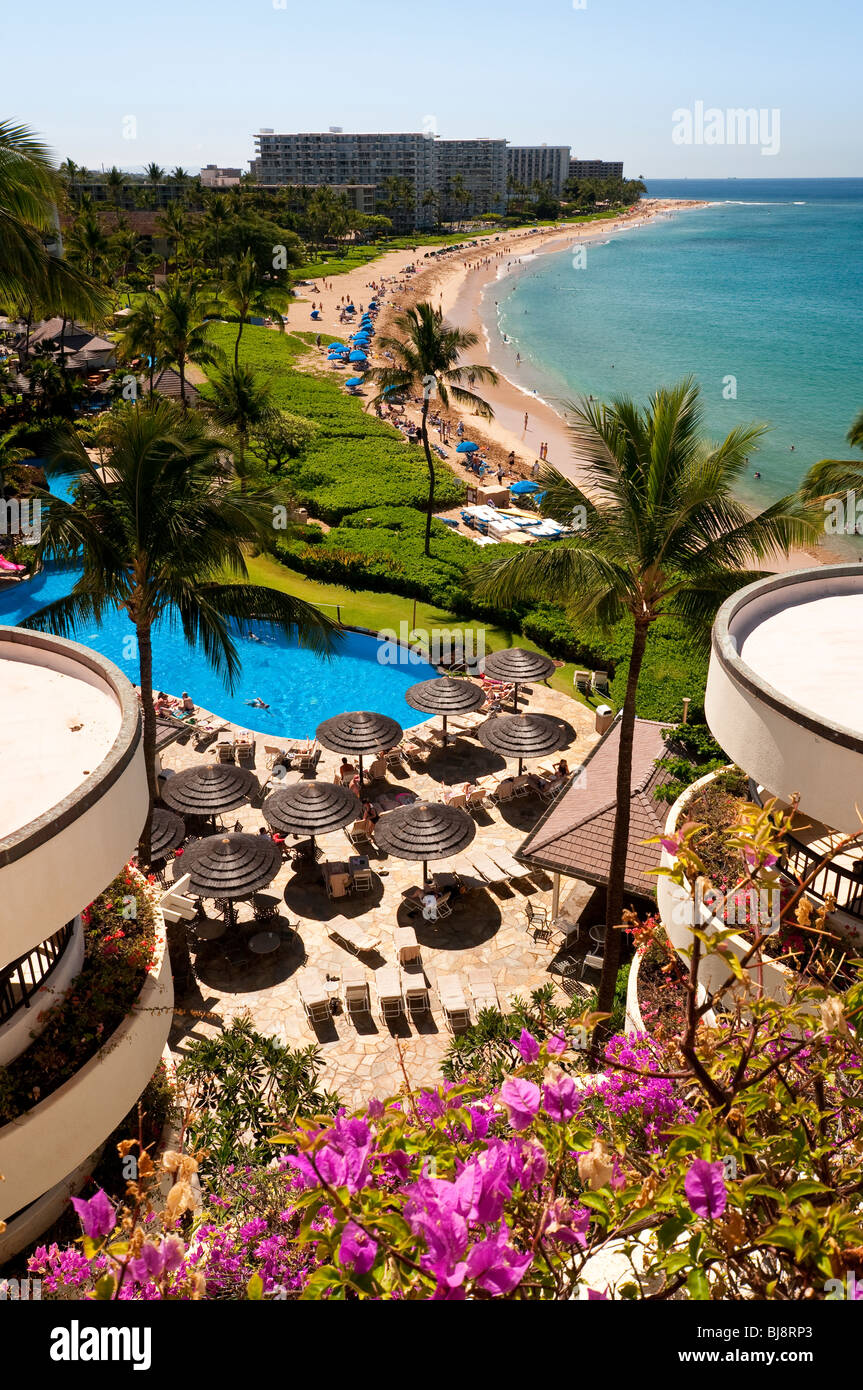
(574,836)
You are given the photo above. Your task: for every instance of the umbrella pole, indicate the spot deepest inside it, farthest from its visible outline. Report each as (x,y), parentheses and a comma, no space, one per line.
(425,873)
(444,730)
(515,697)
(361,773)
(520,765)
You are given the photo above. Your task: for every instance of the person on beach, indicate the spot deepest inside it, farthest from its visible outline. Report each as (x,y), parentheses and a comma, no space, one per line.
(511,461)
(526,418)
(534,472)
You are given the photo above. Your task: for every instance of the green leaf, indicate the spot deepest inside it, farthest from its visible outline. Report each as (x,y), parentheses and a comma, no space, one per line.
(104,1287)
(805,1188)
(697,1285)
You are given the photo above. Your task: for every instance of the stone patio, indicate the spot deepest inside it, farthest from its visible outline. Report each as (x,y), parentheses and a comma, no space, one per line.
(366,1055)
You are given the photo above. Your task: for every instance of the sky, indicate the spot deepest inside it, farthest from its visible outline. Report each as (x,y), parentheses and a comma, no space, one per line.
(189,81)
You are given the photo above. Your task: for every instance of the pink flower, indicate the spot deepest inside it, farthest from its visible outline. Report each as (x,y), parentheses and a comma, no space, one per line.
(527,1046)
(96,1216)
(704,1186)
(671,843)
(357,1249)
(521,1099)
(561,1098)
(497,1266)
(557,1044)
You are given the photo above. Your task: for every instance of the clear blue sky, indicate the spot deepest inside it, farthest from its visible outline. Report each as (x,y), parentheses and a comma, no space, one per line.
(200,76)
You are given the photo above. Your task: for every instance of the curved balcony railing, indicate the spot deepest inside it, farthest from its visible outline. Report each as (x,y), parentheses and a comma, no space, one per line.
(24,977)
(832,880)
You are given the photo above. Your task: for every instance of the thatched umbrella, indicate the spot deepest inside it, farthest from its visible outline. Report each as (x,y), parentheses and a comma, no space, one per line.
(168,832)
(515,665)
(444,696)
(358,733)
(231,867)
(522,736)
(310,808)
(425,830)
(209,789)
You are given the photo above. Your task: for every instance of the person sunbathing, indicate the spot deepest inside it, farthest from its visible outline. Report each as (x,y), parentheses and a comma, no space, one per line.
(188,703)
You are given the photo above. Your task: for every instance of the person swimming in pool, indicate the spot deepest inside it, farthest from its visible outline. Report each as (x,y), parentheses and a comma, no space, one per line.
(258,703)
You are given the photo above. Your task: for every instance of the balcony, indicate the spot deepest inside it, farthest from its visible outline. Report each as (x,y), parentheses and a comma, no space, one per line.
(808,842)
(784,689)
(74,785)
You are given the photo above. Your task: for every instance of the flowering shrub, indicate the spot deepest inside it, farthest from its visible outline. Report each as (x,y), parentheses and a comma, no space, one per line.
(119,946)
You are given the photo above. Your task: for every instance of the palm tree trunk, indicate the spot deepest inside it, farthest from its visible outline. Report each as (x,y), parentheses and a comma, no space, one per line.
(237,343)
(620,838)
(145,662)
(427,447)
(182,368)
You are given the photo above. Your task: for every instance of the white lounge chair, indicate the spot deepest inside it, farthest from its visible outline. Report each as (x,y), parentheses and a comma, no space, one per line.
(355,991)
(407,946)
(453,1002)
(487,869)
(482,988)
(415,992)
(389,991)
(176,904)
(510,864)
(314,996)
(353,937)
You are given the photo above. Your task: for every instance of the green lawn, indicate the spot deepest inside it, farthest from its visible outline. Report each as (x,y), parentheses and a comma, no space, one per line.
(365,608)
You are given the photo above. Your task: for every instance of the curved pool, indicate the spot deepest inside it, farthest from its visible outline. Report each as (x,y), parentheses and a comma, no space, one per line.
(301,689)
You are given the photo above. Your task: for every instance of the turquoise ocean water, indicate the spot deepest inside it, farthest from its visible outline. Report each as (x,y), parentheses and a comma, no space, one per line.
(765,286)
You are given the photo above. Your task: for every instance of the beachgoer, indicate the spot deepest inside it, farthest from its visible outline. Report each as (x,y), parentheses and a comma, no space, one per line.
(526,418)
(188,703)
(345,772)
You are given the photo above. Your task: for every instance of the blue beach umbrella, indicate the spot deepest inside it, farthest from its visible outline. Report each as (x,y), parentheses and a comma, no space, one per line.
(388,390)
(524,486)
(360,336)
(466,447)
(357,357)
(354,381)
(336,347)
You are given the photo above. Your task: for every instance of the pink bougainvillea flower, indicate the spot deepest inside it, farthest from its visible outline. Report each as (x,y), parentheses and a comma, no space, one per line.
(557,1044)
(96,1216)
(560,1098)
(526,1046)
(565,1224)
(497,1266)
(704,1186)
(594,1294)
(357,1249)
(671,843)
(521,1099)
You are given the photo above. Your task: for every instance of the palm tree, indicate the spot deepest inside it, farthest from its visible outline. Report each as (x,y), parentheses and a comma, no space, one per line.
(662,534)
(831,477)
(141,334)
(154,173)
(88,244)
(183,333)
(115,180)
(242,402)
(245,292)
(218,217)
(161,540)
(426,358)
(175,224)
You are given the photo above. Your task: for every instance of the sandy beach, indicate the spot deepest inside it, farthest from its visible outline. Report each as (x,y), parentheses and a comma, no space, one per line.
(454,279)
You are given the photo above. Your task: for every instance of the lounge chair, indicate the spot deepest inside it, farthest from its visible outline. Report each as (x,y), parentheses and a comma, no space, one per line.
(274,754)
(487,869)
(338,883)
(314,996)
(510,865)
(407,946)
(353,937)
(244,751)
(504,791)
(357,833)
(355,991)
(476,799)
(458,801)
(225,751)
(482,988)
(536,920)
(389,992)
(453,1002)
(593,960)
(177,905)
(306,760)
(415,993)
(378,770)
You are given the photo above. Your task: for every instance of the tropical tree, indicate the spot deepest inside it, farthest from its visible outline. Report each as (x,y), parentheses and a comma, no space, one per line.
(242,402)
(246,292)
(183,333)
(830,477)
(660,532)
(217,218)
(154,173)
(426,359)
(87,244)
(141,334)
(115,180)
(175,224)
(164,538)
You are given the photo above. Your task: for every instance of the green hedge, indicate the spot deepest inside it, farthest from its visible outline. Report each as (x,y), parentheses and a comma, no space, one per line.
(355,460)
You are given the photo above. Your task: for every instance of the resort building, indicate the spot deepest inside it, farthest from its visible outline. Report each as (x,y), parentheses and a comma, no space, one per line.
(482,166)
(212,176)
(74,800)
(595,169)
(339,160)
(528,165)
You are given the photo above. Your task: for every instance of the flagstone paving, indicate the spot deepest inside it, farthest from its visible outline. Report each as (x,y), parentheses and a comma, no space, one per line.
(366,1055)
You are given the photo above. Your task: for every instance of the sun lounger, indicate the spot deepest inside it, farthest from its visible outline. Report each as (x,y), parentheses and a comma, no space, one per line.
(352,936)
(476,799)
(453,1002)
(357,833)
(176,904)
(389,991)
(491,872)
(314,995)
(415,993)
(225,750)
(355,990)
(510,864)
(482,988)
(407,947)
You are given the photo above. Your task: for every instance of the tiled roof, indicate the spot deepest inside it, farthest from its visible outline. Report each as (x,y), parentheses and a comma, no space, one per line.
(574,836)
(167,383)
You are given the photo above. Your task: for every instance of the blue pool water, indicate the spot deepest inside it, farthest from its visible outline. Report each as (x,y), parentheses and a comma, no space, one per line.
(302,689)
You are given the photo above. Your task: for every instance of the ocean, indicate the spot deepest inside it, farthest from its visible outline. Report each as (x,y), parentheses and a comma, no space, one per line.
(759,296)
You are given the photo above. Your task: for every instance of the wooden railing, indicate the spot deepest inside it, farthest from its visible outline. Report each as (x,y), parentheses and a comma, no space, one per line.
(22,978)
(832,880)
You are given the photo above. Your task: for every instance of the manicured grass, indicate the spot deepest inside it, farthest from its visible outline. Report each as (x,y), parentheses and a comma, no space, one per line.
(365,608)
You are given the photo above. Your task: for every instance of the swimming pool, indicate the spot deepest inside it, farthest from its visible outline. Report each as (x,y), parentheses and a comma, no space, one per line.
(302,689)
